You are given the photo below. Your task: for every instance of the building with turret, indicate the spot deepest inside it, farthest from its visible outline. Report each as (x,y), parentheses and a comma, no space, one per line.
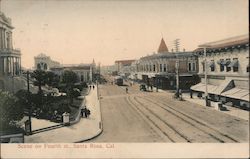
(162,68)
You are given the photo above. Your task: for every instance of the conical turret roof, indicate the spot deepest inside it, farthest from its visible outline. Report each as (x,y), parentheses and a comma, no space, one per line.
(163,47)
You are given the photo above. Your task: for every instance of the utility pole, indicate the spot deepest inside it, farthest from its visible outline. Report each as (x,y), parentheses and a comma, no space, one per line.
(177,64)
(177,44)
(28,97)
(205,65)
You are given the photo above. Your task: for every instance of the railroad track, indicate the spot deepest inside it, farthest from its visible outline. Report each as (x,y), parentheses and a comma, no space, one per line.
(201,126)
(173,135)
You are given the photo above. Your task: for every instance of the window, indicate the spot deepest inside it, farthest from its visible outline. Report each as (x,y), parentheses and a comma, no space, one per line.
(160,67)
(221,65)
(234,64)
(228,68)
(189,67)
(150,68)
(165,68)
(194,66)
(212,65)
(154,67)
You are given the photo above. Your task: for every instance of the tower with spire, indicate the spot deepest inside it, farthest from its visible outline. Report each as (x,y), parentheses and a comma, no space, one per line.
(163,47)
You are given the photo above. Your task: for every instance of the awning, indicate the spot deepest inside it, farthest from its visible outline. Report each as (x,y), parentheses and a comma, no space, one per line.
(213,89)
(234,63)
(237,93)
(201,87)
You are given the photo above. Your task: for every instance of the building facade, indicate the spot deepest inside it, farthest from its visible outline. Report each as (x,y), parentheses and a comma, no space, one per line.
(44,62)
(227,68)
(10,58)
(162,69)
(123,66)
(85,72)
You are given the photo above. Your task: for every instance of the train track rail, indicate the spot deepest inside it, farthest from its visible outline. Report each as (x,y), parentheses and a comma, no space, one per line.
(201,126)
(164,127)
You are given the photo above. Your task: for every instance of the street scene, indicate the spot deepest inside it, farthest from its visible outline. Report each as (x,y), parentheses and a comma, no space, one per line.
(139,116)
(124,72)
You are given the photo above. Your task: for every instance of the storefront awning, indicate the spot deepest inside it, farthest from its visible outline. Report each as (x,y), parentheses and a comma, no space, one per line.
(201,87)
(237,93)
(213,89)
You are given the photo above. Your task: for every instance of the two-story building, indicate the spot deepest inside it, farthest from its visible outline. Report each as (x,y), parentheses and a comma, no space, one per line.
(85,72)
(227,64)
(161,69)
(123,67)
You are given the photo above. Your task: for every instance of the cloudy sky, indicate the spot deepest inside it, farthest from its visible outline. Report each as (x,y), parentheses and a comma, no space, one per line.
(76,31)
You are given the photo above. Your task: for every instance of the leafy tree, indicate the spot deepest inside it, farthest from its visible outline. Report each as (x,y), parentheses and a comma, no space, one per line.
(69,78)
(52,79)
(40,78)
(10,110)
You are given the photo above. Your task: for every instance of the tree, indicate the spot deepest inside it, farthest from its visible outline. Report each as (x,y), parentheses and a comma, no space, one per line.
(10,111)
(69,78)
(40,78)
(52,79)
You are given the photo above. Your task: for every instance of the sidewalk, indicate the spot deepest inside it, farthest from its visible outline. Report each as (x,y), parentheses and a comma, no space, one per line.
(243,114)
(85,129)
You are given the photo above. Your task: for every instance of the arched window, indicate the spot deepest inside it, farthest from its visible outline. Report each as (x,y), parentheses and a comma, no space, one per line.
(45,66)
(38,66)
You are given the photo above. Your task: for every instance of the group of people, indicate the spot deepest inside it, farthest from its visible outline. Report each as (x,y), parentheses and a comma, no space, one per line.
(85,112)
(91,87)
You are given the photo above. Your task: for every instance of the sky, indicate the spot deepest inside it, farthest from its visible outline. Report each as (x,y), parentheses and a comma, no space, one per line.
(78,31)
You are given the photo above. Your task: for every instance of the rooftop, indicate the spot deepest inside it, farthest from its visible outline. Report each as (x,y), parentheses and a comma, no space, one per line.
(232,41)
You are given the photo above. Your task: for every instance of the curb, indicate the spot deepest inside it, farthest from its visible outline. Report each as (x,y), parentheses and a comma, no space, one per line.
(100,123)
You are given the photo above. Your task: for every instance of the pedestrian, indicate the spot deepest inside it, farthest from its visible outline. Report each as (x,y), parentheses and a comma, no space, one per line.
(126,89)
(180,94)
(82,110)
(191,93)
(93,87)
(90,87)
(151,88)
(85,112)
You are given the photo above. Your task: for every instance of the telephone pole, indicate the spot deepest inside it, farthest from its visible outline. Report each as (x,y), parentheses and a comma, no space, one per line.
(177,63)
